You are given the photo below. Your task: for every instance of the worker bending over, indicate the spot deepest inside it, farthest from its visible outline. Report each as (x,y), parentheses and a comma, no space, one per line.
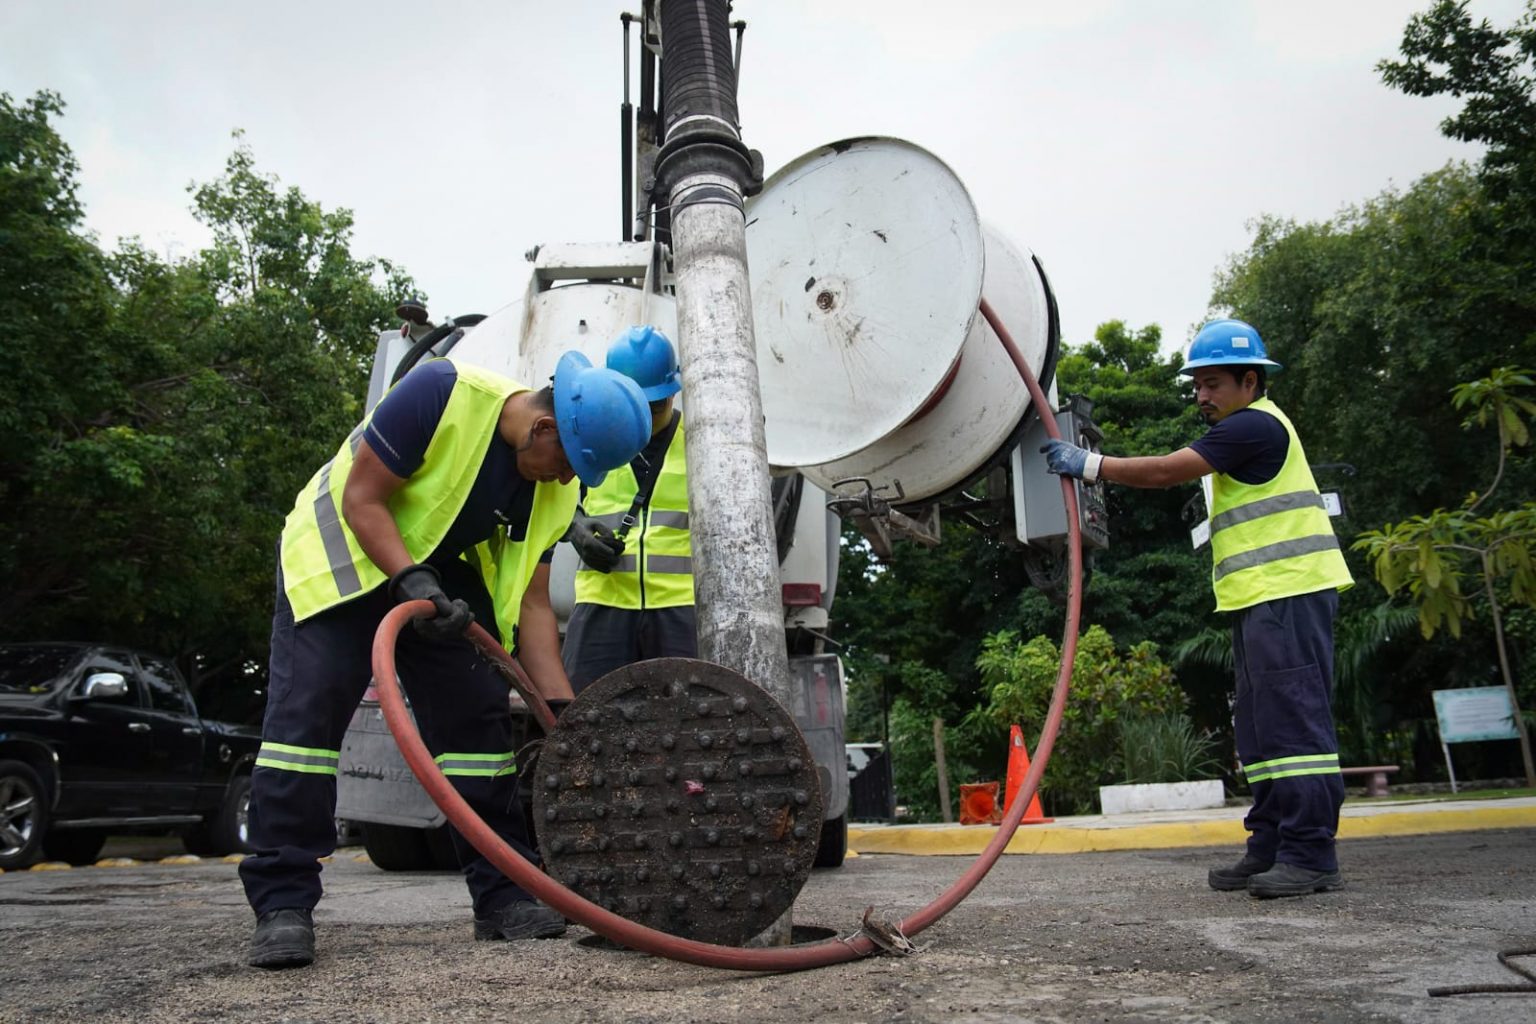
(1277,567)
(453,491)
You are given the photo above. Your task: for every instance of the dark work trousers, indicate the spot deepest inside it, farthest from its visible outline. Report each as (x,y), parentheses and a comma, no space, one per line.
(318,671)
(1283,653)
(599,639)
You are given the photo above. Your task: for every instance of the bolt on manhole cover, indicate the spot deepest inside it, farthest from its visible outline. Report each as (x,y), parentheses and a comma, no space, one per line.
(680,795)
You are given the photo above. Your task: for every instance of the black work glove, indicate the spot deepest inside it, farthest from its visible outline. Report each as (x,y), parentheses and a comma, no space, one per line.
(594,542)
(422,582)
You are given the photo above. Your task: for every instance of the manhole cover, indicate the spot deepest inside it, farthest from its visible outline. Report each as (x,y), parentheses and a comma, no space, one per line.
(680,795)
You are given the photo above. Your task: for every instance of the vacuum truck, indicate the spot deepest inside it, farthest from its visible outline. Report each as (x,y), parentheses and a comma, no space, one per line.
(889,402)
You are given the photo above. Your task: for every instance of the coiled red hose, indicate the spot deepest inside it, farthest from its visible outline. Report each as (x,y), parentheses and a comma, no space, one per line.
(638,936)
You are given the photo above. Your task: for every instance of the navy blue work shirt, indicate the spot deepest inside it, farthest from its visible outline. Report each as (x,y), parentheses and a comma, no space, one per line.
(1249,446)
(402,427)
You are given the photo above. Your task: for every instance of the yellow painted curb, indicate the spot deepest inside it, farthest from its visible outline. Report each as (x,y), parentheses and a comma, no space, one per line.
(961,841)
(1470,819)
(1042,839)
(50,865)
(116,862)
(234,858)
(181,858)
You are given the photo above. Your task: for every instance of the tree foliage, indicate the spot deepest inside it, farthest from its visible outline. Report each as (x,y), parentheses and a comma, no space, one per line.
(1107,687)
(1492,70)
(162,413)
(1432,555)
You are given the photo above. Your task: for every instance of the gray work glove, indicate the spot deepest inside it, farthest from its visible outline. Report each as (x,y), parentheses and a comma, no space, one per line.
(422,582)
(594,542)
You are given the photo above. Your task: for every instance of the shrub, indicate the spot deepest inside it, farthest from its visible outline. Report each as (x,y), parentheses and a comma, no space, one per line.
(1107,685)
(1166,748)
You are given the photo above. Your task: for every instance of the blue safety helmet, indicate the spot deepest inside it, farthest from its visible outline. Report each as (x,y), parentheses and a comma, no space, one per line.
(1227,343)
(603,417)
(644,355)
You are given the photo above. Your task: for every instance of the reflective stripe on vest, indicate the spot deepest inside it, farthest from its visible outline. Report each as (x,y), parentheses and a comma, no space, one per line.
(1288,767)
(1272,540)
(656,568)
(287,758)
(478,765)
(323,564)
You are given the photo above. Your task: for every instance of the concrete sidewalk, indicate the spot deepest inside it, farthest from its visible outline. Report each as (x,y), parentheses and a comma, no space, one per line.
(1218,826)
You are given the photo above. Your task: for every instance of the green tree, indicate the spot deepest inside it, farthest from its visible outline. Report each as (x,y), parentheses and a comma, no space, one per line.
(1493,70)
(1430,556)
(58,297)
(164,413)
(1151,584)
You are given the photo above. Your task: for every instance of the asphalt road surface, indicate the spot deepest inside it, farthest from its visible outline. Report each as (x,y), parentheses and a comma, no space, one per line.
(1131,936)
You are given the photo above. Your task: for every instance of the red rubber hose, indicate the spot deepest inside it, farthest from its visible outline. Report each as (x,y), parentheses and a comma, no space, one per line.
(648,940)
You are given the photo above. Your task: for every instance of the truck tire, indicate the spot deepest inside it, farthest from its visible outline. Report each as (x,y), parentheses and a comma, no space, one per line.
(228,831)
(440,846)
(833,848)
(397,847)
(74,845)
(23,815)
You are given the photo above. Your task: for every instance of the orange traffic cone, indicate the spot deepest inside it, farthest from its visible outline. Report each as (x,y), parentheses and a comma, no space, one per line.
(978,804)
(1018,767)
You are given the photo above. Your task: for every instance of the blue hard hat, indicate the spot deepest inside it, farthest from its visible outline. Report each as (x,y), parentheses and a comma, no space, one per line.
(644,355)
(603,417)
(1226,343)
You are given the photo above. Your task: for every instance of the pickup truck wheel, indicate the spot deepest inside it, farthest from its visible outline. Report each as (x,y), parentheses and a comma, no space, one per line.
(833,848)
(74,845)
(228,831)
(23,815)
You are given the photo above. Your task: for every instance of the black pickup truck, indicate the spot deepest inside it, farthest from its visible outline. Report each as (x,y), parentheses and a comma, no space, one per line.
(97,740)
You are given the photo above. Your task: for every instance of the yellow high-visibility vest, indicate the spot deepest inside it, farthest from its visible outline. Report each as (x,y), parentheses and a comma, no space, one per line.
(1272,540)
(656,568)
(323,563)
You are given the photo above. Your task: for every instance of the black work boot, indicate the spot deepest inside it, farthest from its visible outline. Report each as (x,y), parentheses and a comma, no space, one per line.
(521,919)
(1236,877)
(1290,880)
(284,938)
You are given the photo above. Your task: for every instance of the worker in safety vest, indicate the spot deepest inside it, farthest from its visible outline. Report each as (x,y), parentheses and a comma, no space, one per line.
(1278,568)
(634,588)
(454,490)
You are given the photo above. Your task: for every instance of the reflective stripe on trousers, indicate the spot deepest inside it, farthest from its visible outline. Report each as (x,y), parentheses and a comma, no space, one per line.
(286,757)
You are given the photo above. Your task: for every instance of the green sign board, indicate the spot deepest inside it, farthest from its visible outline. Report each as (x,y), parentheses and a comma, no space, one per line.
(1473,714)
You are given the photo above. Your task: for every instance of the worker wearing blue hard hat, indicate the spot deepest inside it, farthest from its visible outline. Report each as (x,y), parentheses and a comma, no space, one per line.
(453,490)
(1276,565)
(634,587)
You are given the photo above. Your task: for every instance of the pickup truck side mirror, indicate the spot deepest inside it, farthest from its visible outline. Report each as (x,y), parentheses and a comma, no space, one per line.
(104,686)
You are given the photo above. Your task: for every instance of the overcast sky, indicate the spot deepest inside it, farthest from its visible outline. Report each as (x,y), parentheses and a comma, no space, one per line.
(1128,143)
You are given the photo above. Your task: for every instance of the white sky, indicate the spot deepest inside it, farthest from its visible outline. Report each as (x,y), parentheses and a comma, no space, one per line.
(1126,142)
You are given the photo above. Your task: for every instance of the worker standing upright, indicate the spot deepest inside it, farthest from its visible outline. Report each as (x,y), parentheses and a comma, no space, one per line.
(1276,565)
(634,588)
(454,490)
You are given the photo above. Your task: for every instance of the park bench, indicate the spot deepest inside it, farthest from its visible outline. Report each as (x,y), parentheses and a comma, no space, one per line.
(1375,777)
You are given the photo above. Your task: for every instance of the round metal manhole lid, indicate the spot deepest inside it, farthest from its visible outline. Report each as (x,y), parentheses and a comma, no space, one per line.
(678,794)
